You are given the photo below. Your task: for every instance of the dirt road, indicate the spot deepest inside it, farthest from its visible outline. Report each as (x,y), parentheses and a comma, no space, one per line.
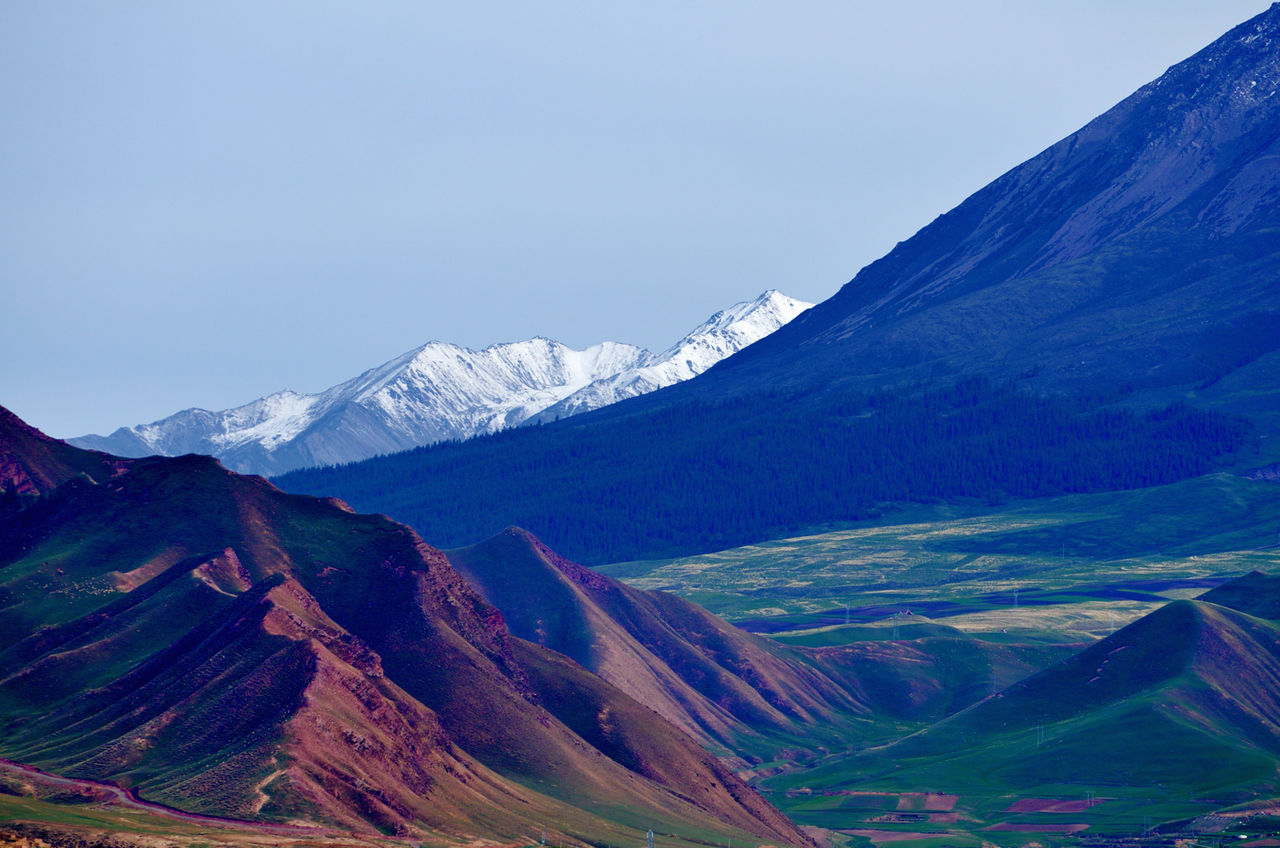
(129,799)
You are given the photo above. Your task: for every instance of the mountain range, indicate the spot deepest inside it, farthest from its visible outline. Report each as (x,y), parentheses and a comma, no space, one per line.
(211,643)
(222,647)
(441,392)
(1101,317)
(1105,315)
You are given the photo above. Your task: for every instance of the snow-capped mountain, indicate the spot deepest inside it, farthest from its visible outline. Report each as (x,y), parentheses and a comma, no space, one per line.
(724,333)
(442,391)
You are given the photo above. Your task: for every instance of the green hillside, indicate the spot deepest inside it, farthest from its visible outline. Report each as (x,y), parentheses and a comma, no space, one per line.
(1170,718)
(1060,569)
(986,690)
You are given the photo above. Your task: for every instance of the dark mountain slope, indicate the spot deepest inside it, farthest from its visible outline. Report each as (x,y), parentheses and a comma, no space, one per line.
(1028,343)
(706,476)
(39,464)
(1256,593)
(224,646)
(632,734)
(677,659)
(1140,251)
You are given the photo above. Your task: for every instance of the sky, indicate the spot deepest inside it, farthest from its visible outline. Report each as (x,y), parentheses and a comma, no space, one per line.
(204,203)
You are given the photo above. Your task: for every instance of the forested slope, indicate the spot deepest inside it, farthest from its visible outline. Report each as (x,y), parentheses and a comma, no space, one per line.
(702,476)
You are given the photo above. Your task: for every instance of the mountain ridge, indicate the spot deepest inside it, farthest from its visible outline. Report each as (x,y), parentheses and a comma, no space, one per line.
(440,392)
(218,645)
(699,673)
(1161,210)
(720,336)
(1164,696)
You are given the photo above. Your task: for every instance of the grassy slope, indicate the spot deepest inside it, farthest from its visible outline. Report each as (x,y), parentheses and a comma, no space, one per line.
(200,677)
(1083,567)
(711,679)
(1169,718)
(38,463)
(1153,705)
(1256,593)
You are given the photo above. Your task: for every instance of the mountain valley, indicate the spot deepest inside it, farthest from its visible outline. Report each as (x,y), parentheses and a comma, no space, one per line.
(221,647)
(1104,316)
(981,552)
(954,611)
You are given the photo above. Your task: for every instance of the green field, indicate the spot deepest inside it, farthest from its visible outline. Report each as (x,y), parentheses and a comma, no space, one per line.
(1068,569)
(1050,576)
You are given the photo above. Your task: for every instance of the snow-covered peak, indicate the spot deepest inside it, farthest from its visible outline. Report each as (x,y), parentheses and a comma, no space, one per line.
(443,391)
(721,335)
(771,309)
(730,330)
(270,421)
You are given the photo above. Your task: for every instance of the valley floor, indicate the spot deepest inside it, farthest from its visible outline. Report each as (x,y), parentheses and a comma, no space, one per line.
(986,596)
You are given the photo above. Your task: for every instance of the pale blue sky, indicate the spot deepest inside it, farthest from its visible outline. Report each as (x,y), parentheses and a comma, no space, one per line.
(204,203)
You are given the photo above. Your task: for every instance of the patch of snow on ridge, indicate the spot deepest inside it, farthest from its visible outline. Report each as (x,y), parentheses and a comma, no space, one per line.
(270,421)
(720,336)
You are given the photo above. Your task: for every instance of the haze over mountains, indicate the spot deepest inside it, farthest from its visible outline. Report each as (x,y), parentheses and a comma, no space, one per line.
(442,392)
(1112,296)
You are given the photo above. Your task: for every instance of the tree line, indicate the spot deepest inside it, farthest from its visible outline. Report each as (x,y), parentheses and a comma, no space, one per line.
(707,475)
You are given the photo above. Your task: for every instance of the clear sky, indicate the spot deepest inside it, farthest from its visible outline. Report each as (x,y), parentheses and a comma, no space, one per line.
(204,203)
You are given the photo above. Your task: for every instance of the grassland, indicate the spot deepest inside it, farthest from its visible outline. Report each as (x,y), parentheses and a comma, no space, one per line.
(69,817)
(1060,574)
(62,816)
(1067,569)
